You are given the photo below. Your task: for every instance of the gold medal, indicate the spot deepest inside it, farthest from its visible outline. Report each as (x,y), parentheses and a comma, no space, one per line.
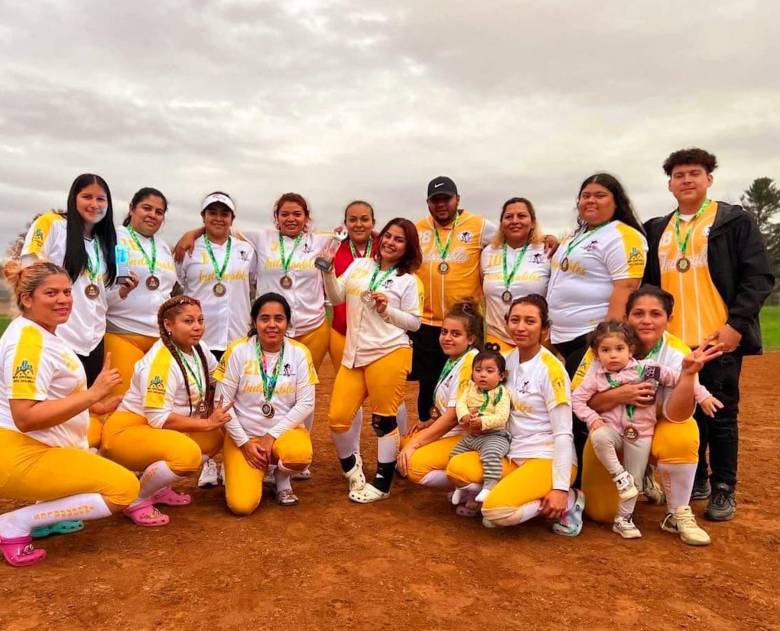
(444,267)
(565,264)
(630,433)
(286,282)
(367,297)
(152,282)
(219,290)
(507,296)
(92,291)
(683,264)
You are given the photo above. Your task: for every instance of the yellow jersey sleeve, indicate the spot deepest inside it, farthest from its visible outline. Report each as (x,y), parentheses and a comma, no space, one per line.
(558,390)
(159,393)
(29,377)
(224,362)
(306,369)
(38,240)
(582,369)
(626,256)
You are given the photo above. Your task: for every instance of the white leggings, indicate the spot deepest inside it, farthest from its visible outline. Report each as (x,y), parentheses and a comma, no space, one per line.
(607,442)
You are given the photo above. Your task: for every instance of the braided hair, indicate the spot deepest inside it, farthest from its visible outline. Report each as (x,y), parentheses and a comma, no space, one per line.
(168,311)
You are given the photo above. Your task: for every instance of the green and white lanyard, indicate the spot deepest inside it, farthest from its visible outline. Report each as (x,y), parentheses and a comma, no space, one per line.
(286,261)
(576,241)
(444,249)
(496,399)
(151,262)
(682,244)
(269,382)
(94,272)
(510,275)
(377,282)
(219,270)
(449,365)
(354,250)
(630,408)
(197,374)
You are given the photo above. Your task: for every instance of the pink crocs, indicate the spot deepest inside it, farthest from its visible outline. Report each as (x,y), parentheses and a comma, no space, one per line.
(169,497)
(19,551)
(145,514)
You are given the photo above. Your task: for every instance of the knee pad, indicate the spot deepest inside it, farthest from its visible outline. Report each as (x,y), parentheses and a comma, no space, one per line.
(383,425)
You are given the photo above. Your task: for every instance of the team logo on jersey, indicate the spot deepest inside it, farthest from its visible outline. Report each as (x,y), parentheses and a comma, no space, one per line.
(537,259)
(24,372)
(306,248)
(243,255)
(37,238)
(636,257)
(287,370)
(592,246)
(524,386)
(156,385)
(388,283)
(466,236)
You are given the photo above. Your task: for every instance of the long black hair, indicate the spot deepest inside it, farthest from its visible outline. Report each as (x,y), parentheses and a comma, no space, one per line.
(75,261)
(624,211)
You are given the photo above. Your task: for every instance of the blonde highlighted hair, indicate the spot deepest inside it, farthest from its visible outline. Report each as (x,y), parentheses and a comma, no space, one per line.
(25,280)
(537,234)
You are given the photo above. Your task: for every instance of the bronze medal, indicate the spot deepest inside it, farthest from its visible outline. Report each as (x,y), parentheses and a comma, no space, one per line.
(203,411)
(92,291)
(219,290)
(565,264)
(630,433)
(267,410)
(444,267)
(435,412)
(285,281)
(367,297)
(152,282)
(683,264)
(507,296)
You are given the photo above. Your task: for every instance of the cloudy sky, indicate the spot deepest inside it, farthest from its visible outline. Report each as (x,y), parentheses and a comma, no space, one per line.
(346,99)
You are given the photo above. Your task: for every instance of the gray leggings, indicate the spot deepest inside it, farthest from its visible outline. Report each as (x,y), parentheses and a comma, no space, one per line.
(492,447)
(607,442)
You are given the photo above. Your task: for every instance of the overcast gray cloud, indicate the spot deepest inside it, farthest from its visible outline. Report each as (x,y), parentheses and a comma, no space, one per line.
(348,99)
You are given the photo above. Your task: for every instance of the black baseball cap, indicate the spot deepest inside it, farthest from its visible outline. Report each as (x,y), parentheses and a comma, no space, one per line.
(441,185)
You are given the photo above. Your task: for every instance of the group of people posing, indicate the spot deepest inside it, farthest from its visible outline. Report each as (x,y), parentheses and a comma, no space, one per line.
(604,366)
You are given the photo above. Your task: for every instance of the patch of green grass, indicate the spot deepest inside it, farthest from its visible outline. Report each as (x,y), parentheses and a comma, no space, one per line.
(4,322)
(770,327)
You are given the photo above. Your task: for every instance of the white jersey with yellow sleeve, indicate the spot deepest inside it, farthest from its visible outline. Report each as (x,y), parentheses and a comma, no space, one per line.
(239,382)
(462,279)
(306,295)
(226,316)
(39,366)
(45,241)
(452,387)
(531,277)
(158,386)
(579,295)
(670,354)
(370,335)
(138,312)
(537,386)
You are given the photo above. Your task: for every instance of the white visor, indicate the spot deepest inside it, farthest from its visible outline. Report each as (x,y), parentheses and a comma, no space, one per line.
(218,198)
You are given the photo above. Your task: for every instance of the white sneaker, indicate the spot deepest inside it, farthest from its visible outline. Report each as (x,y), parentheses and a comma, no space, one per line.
(683,523)
(624,526)
(355,476)
(625,486)
(368,494)
(302,475)
(482,495)
(652,490)
(209,474)
(458,496)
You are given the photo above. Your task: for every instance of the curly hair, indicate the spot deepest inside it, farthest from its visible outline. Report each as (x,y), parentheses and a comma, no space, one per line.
(692,155)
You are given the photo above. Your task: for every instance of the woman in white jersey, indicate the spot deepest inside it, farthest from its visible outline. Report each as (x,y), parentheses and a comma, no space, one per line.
(82,241)
(44,418)
(675,442)
(270,381)
(384,301)
(593,272)
(131,327)
(219,273)
(167,423)
(514,264)
(541,462)
(426,452)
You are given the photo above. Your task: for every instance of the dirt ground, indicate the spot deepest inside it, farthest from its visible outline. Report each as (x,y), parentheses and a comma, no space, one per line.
(410,562)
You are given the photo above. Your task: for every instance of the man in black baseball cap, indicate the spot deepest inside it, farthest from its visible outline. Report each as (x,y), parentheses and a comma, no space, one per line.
(442,185)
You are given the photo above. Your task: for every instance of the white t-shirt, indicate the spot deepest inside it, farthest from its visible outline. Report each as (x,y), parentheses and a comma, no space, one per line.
(226,317)
(158,386)
(452,386)
(371,336)
(138,312)
(86,325)
(307,294)
(537,387)
(531,278)
(579,297)
(239,381)
(39,366)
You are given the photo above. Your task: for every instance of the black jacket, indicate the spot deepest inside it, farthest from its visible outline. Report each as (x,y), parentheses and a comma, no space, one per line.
(739,267)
